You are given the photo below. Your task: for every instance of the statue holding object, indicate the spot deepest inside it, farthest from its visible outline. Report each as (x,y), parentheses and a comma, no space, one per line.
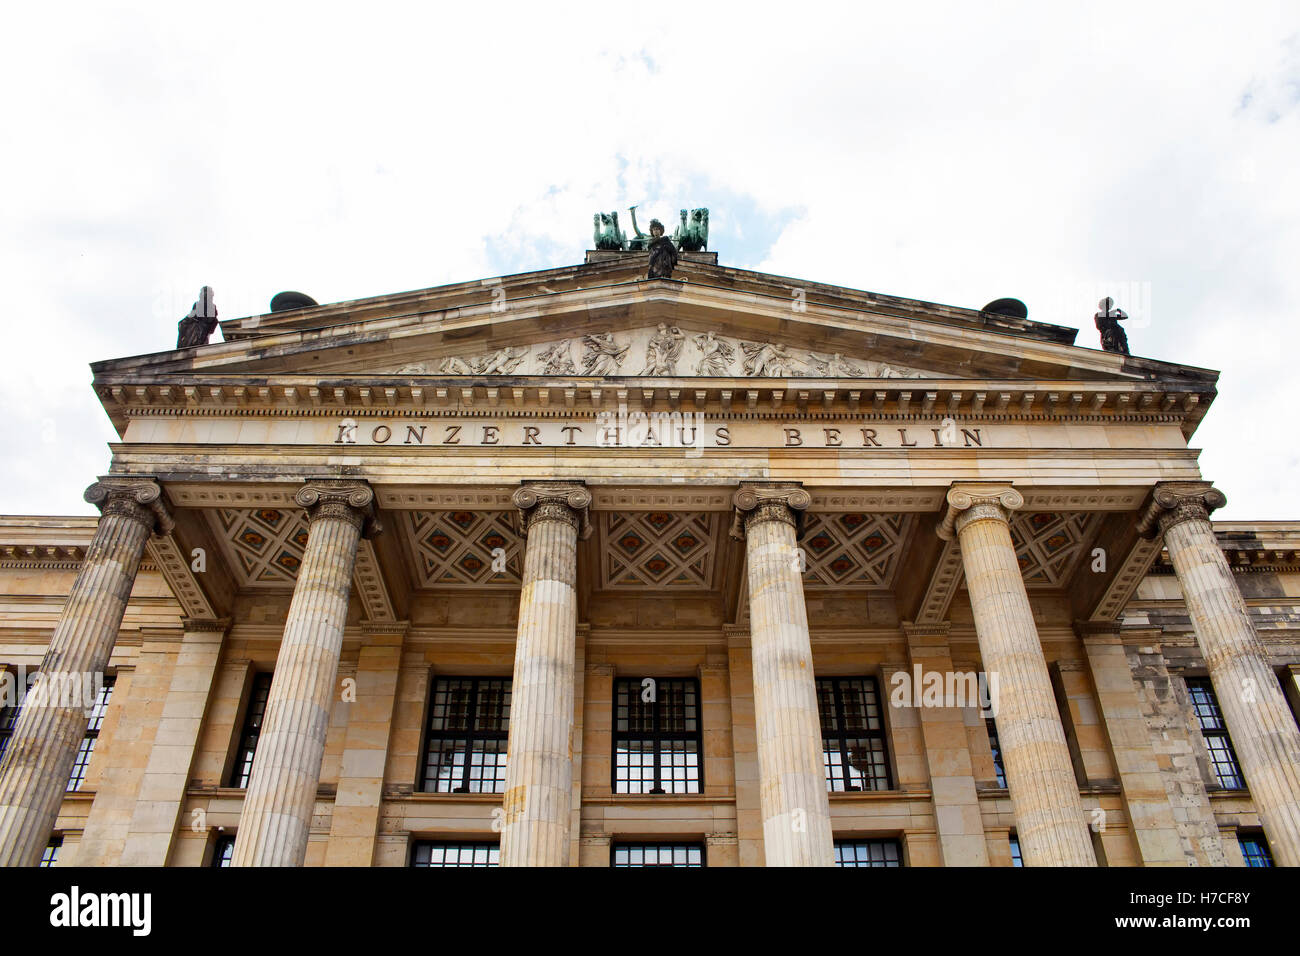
(1107,321)
(663,254)
(197,327)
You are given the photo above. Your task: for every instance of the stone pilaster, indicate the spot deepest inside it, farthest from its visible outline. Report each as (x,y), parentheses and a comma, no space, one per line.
(795,807)
(276,820)
(1263,731)
(1150,813)
(1040,776)
(354,825)
(539,762)
(947,753)
(157,809)
(49,730)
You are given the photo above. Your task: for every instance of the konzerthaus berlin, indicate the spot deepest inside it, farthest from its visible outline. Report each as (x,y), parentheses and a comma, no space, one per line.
(580,567)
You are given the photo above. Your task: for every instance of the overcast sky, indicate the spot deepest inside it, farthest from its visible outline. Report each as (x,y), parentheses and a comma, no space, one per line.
(953,153)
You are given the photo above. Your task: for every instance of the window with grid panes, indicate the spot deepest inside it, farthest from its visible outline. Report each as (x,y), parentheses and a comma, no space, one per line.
(9,716)
(468,729)
(242,769)
(223,851)
(1016,858)
(87,748)
(656,854)
(1255,849)
(50,855)
(853,734)
(1215,732)
(995,745)
(431,853)
(868,853)
(657,737)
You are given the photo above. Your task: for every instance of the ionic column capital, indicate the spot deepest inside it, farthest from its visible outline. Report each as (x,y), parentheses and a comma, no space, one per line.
(140,499)
(1173,502)
(349,500)
(967,503)
(756,502)
(566,501)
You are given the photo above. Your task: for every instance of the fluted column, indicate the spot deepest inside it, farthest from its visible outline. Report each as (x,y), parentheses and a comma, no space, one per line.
(34,773)
(1040,777)
(539,759)
(1263,731)
(276,819)
(792,780)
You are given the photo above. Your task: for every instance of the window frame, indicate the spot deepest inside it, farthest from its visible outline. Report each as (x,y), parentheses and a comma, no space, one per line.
(460,846)
(995,747)
(1221,733)
(658,846)
(48,858)
(842,734)
(90,739)
(221,860)
(9,715)
(894,842)
(430,736)
(1260,842)
(657,736)
(237,779)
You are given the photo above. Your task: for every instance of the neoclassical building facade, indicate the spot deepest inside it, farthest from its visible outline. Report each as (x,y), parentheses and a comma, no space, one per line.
(578,567)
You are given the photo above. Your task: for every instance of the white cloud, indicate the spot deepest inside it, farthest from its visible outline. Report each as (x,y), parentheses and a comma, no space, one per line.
(950,152)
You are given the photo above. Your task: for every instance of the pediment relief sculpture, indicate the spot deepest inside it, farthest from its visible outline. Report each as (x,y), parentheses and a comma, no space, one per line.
(668,351)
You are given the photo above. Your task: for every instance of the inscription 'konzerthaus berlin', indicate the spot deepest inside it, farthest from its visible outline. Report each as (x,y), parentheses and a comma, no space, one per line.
(618,563)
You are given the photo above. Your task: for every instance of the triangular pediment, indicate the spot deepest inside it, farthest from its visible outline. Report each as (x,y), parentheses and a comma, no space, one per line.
(607,320)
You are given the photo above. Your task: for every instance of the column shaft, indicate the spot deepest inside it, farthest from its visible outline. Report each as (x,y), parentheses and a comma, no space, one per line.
(792,780)
(53,720)
(276,820)
(1040,776)
(1263,731)
(539,761)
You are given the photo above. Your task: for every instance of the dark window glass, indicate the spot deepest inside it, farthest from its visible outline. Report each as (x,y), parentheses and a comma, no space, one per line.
(9,716)
(995,745)
(656,854)
(657,738)
(223,851)
(427,853)
(50,855)
(868,853)
(87,748)
(1016,858)
(853,734)
(1215,732)
(253,716)
(1255,849)
(469,722)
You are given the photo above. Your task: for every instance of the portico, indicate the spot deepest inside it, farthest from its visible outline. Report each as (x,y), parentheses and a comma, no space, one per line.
(375,523)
